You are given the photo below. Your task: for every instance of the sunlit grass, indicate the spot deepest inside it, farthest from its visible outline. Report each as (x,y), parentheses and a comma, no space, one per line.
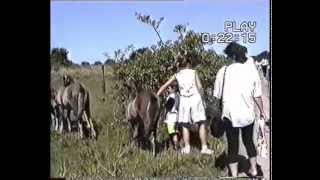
(110,155)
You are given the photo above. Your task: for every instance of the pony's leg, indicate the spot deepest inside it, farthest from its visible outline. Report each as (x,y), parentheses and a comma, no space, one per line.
(52,122)
(89,124)
(87,120)
(133,134)
(69,121)
(130,131)
(55,116)
(60,119)
(80,132)
(60,124)
(69,124)
(56,122)
(64,120)
(130,135)
(92,130)
(154,141)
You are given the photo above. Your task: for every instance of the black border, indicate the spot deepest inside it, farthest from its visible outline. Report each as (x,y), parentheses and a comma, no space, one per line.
(29,146)
(26,84)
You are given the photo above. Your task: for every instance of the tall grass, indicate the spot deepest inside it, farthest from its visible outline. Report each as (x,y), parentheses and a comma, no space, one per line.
(110,155)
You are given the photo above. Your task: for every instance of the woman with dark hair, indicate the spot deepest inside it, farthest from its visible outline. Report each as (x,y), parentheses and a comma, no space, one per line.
(237,52)
(191,107)
(241,88)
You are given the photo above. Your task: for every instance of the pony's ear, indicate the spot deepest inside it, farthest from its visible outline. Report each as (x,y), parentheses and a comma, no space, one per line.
(64,79)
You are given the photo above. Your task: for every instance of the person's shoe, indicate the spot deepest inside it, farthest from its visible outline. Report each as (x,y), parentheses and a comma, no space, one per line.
(206,151)
(253,169)
(233,167)
(252,173)
(185,150)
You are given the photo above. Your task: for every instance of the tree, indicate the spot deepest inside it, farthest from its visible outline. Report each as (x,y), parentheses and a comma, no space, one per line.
(59,57)
(262,55)
(97,63)
(149,21)
(138,52)
(106,55)
(85,63)
(109,61)
(119,56)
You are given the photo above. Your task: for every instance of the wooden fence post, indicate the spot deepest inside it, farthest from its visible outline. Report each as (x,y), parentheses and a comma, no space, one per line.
(103,80)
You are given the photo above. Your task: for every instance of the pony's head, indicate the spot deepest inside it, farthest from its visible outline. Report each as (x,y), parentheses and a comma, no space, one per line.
(67,79)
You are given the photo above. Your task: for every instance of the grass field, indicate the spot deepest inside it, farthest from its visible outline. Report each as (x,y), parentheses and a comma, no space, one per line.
(110,155)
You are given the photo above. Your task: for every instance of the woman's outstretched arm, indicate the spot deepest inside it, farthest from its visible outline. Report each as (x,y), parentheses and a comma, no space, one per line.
(168,83)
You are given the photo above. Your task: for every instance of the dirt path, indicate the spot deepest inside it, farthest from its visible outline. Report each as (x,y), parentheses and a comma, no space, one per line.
(265,163)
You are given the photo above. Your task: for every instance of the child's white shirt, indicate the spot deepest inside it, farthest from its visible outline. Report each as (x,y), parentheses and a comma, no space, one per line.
(172,115)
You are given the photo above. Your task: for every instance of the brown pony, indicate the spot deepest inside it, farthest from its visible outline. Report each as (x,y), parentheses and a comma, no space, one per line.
(142,115)
(74,103)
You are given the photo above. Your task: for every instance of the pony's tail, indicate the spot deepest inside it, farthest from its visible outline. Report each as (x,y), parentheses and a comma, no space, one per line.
(80,104)
(87,105)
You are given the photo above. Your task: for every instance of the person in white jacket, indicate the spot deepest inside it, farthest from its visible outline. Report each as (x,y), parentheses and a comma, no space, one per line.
(241,87)
(191,106)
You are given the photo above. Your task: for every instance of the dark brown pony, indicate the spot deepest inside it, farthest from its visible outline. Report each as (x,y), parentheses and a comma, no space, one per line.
(142,115)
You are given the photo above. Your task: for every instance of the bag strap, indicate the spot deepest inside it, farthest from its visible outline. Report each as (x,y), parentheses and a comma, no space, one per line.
(224,76)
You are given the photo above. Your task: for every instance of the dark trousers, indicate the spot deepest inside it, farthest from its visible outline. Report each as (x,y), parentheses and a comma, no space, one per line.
(233,141)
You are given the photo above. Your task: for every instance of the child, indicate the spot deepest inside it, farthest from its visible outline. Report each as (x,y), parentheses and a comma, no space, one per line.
(191,107)
(171,120)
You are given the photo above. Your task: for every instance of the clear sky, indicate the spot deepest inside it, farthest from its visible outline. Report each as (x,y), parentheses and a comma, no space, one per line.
(90,29)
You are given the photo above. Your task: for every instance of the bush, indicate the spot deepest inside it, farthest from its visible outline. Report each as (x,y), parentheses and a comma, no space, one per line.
(85,64)
(152,68)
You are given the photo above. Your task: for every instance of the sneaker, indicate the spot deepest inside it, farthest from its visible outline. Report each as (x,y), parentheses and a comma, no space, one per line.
(185,150)
(206,151)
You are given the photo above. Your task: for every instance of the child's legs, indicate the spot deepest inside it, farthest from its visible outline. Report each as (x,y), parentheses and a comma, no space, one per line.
(174,140)
(172,129)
